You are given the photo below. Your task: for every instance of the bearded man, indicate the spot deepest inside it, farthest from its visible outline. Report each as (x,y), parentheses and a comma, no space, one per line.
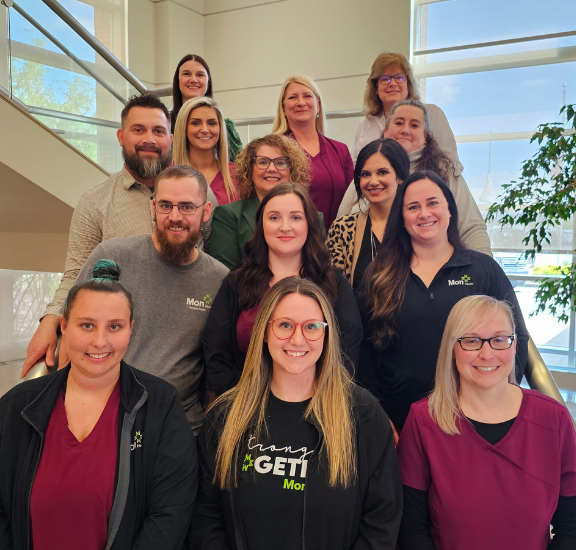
(172,284)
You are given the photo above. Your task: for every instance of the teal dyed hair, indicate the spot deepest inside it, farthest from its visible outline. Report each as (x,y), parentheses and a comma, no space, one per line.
(105,275)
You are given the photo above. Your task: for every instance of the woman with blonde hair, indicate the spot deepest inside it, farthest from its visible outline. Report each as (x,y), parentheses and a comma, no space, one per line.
(300,116)
(485,463)
(200,142)
(390,81)
(296,455)
(264,163)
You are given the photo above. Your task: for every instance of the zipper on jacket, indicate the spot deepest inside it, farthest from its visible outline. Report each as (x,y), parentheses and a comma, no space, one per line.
(29,500)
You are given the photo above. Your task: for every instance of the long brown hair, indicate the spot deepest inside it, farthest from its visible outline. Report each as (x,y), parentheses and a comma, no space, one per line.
(386,277)
(252,277)
(330,408)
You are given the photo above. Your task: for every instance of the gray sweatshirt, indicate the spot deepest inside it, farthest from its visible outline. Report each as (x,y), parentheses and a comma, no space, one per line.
(171,304)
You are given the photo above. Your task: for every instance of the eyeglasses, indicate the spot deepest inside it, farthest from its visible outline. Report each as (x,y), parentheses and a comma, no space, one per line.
(386,78)
(284,328)
(185,208)
(496,342)
(281,163)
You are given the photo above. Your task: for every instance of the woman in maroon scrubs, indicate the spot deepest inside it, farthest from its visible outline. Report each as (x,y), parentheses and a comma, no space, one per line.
(300,115)
(97,455)
(486,464)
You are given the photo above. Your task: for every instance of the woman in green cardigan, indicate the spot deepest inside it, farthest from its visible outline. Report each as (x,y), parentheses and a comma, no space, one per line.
(261,165)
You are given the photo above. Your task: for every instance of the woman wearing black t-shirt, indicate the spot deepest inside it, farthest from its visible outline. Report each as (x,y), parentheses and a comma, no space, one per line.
(296,455)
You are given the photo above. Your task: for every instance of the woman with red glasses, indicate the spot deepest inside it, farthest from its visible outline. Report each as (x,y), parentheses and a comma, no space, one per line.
(296,455)
(287,241)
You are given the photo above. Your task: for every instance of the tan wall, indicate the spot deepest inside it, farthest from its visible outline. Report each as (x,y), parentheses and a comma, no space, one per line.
(253,45)
(33,251)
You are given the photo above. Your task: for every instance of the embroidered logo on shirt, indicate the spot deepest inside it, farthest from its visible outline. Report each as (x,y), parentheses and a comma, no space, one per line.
(137,441)
(248,462)
(464,280)
(199,305)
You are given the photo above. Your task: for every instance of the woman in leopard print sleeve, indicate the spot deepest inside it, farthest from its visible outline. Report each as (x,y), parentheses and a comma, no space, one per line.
(352,239)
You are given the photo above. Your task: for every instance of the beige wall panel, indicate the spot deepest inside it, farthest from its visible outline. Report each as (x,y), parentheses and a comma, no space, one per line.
(141,40)
(31,150)
(251,51)
(178,31)
(33,251)
(195,5)
(216,6)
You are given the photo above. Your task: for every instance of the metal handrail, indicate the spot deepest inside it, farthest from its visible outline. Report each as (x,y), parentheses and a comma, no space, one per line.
(95,44)
(270,119)
(76,60)
(73,117)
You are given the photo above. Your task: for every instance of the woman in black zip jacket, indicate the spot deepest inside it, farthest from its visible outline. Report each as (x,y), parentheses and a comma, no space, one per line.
(97,455)
(296,456)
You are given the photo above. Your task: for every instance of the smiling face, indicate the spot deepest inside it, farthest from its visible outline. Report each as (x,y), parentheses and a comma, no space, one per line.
(407,127)
(285,226)
(203,130)
(486,367)
(300,105)
(265,179)
(378,180)
(193,80)
(426,214)
(392,93)
(97,332)
(296,356)
(178,233)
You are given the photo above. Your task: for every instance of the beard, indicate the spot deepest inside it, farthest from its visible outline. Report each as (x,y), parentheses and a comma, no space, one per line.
(177,253)
(147,167)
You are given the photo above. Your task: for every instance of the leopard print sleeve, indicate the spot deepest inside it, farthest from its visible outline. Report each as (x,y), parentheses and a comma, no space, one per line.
(340,242)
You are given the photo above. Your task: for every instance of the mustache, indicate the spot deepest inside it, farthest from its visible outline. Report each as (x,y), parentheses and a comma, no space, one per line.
(149,148)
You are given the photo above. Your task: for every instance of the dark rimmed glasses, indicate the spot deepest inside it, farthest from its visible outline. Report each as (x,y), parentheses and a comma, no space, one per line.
(285,328)
(281,163)
(386,78)
(496,342)
(185,208)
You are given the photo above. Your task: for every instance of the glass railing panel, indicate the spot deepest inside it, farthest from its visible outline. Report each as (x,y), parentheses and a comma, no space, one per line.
(96,141)
(62,38)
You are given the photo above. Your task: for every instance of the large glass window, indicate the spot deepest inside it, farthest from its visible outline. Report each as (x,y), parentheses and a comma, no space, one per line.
(498,70)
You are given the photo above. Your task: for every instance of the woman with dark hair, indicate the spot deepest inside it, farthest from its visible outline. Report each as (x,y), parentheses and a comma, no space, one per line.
(97,455)
(192,78)
(420,271)
(409,125)
(352,240)
(510,451)
(287,241)
(390,81)
(264,163)
(296,455)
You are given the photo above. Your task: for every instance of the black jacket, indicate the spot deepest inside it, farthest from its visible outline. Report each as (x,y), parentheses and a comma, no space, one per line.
(223,359)
(156,477)
(373,506)
(404,372)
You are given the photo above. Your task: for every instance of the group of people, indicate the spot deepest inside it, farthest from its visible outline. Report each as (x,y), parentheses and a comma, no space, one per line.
(277,346)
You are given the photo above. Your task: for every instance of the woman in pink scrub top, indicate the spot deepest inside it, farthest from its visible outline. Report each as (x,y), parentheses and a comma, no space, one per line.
(486,464)
(200,141)
(300,115)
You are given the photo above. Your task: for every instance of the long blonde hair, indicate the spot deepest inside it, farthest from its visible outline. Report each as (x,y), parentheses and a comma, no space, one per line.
(281,123)
(330,408)
(181,144)
(468,314)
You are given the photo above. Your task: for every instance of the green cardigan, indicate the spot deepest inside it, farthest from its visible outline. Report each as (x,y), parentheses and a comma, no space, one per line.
(232,226)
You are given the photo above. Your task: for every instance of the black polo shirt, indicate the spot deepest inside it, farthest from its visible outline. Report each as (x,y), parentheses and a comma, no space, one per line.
(404,372)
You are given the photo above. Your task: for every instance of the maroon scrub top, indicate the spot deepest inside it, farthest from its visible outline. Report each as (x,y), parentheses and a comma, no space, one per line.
(74,485)
(332,171)
(502,496)
(219,189)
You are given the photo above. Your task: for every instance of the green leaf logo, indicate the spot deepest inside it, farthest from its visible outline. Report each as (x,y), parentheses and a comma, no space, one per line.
(207,299)
(466,278)
(248,462)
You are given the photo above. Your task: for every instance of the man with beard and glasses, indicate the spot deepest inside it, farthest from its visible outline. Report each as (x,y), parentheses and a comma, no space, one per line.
(118,207)
(172,284)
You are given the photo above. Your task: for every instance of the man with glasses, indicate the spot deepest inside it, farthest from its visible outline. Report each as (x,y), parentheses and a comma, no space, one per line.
(172,283)
(118,207)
